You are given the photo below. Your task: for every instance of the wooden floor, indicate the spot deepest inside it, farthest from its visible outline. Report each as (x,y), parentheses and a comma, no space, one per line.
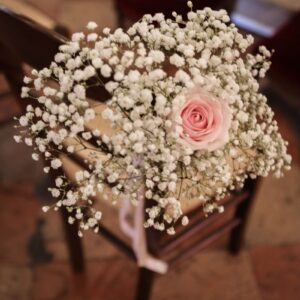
(33,259)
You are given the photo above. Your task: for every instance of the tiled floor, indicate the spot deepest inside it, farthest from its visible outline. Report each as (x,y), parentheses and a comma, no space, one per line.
(33,257)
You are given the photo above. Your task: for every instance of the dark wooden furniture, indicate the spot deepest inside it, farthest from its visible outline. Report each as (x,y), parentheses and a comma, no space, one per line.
(285,71)
(21,40)
(47,22)
(129,11)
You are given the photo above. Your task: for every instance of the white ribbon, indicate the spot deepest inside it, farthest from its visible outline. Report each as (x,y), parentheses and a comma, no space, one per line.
(137,235)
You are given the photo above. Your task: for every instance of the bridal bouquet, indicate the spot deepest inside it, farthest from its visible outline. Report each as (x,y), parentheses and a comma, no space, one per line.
(187,118)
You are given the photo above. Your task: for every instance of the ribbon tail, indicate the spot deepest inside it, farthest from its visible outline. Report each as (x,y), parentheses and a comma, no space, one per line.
(145,259)
(124,225)
(138,237)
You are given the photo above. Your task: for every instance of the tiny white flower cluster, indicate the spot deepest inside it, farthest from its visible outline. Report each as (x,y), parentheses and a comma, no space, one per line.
(204,50)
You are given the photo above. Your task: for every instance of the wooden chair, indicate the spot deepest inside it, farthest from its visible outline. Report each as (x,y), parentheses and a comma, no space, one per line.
(23,41)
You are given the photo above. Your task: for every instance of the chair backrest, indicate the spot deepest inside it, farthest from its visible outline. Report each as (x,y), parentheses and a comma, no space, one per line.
(26,9)
(33,43)
(24,41)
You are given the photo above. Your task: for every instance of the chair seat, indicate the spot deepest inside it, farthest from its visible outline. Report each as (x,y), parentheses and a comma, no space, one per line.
(71,167)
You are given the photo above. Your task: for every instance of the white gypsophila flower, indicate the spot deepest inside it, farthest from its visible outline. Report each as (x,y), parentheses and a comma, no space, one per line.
(23,121)
(87,136)
(17,138)
(89,114)
(89,72)
(98,215)
(35,156)
(157,56)
(111,86)
(177,60)
(25,92)
(27,80)
(78,36)
(28,141)
(91,26)
(45,208)
(58,181)
(145,111)
(56,163)
(108,114)
(55,193)
(71,149)
(185,221)
(106,71)
(97,62)
(92,37)
(79,91)
(46,169)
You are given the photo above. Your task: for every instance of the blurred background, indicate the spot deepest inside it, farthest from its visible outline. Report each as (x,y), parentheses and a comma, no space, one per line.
(33,256)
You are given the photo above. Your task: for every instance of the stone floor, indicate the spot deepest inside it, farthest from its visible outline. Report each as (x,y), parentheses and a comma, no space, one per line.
(33,257)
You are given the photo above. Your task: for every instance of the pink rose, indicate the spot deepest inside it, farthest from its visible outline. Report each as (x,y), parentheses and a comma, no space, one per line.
(205,121)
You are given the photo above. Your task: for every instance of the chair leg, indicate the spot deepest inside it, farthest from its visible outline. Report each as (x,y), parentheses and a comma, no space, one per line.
(74,244)
(242,213)
(144,285)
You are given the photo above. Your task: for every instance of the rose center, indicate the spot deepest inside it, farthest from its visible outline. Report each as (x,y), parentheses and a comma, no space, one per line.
(198,118)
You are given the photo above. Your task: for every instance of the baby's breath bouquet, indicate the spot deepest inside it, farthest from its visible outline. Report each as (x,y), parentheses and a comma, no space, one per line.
(186,118)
